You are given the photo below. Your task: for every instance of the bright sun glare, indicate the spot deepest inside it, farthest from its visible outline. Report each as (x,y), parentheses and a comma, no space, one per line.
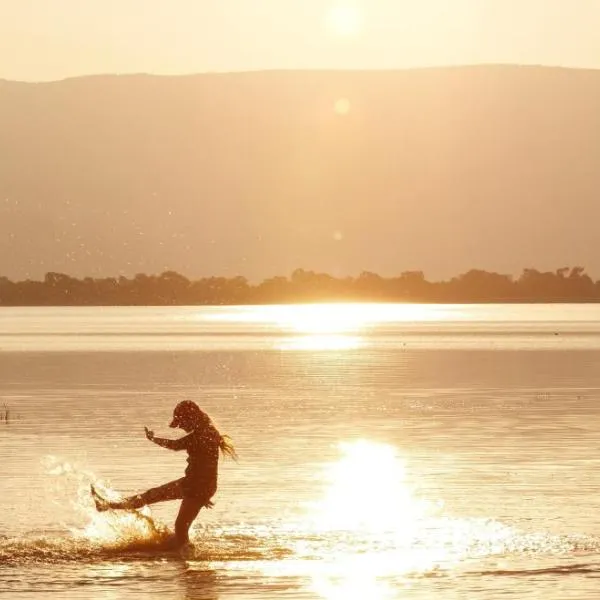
(322,327)
(367,489)
(381,526)
(323,319)
(339,326)
(345,20)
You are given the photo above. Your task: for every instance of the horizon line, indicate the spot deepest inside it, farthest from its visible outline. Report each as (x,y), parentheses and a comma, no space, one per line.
(337,70)
(577,268)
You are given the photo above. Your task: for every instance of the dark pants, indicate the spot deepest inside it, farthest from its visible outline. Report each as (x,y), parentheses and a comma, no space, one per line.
(174,490)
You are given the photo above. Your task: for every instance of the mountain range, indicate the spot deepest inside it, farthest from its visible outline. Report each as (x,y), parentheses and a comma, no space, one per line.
(440,170)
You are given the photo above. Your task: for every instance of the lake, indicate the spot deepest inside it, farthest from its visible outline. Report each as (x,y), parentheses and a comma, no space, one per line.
(386,451)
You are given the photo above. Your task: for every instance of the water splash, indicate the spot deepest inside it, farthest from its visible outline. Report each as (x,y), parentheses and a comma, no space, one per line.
(433,544)
(113,528)
(121,535)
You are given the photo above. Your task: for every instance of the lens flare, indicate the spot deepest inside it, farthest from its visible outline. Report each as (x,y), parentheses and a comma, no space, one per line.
(342,107)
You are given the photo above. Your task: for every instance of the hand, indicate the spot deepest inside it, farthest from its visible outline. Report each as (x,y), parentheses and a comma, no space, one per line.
(149,434)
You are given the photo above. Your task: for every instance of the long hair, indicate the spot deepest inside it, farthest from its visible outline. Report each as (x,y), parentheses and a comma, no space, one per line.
(227,448)
(225,443)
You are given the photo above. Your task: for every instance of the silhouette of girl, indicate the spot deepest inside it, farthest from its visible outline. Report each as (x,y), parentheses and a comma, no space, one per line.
(199,484)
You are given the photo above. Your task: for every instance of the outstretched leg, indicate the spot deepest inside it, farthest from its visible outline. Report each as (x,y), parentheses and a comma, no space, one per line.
(170,491)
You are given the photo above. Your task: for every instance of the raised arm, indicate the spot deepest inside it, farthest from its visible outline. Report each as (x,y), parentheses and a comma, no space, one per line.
(180,444)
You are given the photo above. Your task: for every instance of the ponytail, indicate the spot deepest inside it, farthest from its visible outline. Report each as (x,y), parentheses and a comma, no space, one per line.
(227,448)
(225,443)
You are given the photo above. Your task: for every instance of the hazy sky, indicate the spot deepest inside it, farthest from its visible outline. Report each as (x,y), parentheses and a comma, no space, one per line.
(53,39)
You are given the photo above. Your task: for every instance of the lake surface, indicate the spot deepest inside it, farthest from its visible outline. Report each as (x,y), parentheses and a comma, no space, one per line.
(386,451)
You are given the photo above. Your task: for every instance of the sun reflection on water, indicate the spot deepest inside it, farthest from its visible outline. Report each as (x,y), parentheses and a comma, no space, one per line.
(367,490)
(344,317)
(368,535)
(322,342)
(377,528)
(376,535)
(323,318)
(322,326)
(355,584)
(329,326)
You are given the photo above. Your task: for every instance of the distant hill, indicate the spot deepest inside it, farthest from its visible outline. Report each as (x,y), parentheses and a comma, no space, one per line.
(440,170)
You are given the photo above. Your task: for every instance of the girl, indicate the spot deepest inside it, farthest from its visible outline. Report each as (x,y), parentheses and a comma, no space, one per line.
(199,484)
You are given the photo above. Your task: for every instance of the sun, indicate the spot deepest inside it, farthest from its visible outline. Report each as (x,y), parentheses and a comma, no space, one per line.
(345,20)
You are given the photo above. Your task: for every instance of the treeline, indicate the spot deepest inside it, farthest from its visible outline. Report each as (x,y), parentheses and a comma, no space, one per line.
(171,288)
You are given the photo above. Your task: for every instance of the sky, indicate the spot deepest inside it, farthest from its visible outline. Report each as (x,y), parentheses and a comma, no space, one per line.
(53,39)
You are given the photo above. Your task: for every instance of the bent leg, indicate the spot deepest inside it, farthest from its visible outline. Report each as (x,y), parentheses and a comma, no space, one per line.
(188,511)
(169,491)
